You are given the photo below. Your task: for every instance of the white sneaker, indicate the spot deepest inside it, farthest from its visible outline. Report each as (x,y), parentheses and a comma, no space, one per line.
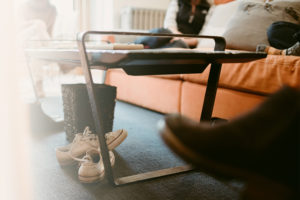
(91,168)
(86,141)
(115,138)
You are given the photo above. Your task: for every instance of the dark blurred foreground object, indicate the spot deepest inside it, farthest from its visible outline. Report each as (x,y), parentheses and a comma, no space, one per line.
(261,147)
(77,108)
(150,42)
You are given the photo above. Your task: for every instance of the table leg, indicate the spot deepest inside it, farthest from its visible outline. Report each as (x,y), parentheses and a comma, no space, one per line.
(98,121)
(211,90)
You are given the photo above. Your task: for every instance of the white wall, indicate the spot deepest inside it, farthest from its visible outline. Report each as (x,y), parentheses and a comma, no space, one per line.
(101,14)
(119,4)
(105,14)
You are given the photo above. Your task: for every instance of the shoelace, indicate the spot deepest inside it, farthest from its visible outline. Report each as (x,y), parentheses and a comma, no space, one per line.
(86,135)
(87,131)
(87,156)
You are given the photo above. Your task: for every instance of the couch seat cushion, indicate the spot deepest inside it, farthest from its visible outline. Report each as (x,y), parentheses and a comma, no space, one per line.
(262,76)
(159,94)
(173,76)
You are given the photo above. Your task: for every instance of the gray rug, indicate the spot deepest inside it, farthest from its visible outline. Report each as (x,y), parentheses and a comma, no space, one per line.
(142,151)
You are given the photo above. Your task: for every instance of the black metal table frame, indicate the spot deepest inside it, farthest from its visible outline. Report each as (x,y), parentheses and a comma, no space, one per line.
(207,109)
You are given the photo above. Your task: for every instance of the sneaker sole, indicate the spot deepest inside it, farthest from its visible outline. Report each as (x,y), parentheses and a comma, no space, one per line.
(91,179)
(118,140)
(257,184)
(95,179)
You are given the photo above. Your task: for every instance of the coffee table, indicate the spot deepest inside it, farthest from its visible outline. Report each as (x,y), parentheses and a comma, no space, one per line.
(145,62)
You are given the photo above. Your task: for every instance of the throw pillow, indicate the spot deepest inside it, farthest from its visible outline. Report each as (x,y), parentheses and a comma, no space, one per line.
(248,27)
(216,21)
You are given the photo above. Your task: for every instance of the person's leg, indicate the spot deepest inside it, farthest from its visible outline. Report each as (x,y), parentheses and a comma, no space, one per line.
(263,142)
(292,51)
(281,35)
(297,35)
(284,38)
(176,44)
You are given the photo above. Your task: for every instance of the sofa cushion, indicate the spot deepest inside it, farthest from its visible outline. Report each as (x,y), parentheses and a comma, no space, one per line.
(228,104)
(159,94)
(262,76)
(217,2)
(172,76)
(248,26)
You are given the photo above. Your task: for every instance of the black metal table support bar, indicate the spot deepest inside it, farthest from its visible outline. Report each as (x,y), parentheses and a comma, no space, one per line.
(152,175)
(211,91)
(212,84)
(206,112)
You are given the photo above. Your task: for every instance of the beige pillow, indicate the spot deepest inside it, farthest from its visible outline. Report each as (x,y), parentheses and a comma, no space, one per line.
(248,27)
(215,22)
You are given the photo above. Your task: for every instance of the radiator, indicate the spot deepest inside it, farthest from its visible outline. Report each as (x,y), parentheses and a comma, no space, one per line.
(142,18)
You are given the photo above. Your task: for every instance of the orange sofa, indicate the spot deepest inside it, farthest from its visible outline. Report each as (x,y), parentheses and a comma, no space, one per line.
(241,86)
